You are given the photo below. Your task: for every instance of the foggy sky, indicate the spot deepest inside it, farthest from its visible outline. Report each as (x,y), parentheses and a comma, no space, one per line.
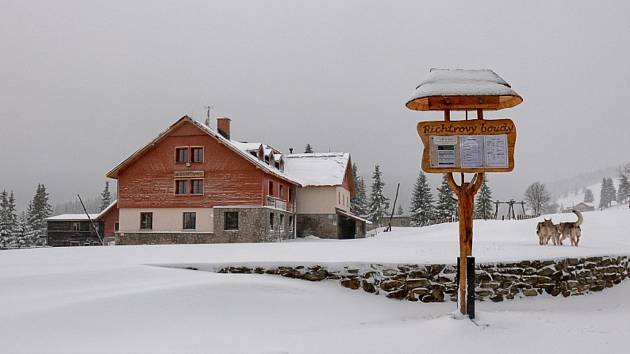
(83,85)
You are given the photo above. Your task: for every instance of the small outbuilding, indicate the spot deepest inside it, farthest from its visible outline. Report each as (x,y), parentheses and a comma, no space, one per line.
(77,230)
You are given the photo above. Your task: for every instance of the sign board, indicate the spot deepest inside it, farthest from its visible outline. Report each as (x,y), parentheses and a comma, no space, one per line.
(469,146)
(189,174)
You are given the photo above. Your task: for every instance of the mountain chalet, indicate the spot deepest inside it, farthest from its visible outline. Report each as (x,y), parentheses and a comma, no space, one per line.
(192,184)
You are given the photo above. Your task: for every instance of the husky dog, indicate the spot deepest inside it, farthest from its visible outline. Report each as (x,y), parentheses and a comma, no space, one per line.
(571,230)
(546,230)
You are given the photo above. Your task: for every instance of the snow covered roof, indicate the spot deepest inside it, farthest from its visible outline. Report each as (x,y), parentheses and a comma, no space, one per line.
(460,82)
(83,217)
(73,217)
(350,215)
(247,146)
(318,169)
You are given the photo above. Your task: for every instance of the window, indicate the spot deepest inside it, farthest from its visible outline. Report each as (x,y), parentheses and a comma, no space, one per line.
(75,226)
(189,221)
(146,221)
(197,154)
(231,220)
(290,194)
(85,226)
(281,191)
(281,222)
(270,187)
(116,226)
(181,155)
(196,186)
(181,187)
(271,220)
(290,222)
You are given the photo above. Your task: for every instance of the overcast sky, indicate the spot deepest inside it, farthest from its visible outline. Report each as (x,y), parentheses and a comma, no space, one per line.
(84,84)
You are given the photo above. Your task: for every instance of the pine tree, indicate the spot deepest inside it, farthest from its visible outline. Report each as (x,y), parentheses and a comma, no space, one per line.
(378,202)
(308,149)
(623,192)
(421,208)
(38,210)
(588,196)
(603,194)
(446,207)
(483,204)
(358,203)
(608,194)
(400,210)
(106,197)
(5,231)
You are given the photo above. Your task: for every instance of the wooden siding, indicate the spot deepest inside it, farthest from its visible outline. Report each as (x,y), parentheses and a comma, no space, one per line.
(229,179)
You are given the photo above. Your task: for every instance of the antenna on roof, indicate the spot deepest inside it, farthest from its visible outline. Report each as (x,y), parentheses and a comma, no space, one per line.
(208,110)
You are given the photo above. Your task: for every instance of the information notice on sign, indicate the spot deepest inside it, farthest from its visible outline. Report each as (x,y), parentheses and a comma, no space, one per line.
(471,150)
(445,147)
(495,147)
(468,146)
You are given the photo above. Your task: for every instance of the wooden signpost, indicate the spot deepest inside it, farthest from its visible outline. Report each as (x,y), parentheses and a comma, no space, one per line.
(465,146)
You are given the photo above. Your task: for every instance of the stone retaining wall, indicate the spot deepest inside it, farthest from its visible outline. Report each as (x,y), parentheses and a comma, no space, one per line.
(436,282)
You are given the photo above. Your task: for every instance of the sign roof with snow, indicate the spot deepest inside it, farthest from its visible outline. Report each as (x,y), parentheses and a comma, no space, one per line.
(460,89)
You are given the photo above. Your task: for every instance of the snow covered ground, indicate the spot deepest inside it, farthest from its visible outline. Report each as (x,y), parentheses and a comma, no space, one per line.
(110,300)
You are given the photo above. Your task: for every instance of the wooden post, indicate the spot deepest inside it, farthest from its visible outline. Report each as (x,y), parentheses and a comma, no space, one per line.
(466,197)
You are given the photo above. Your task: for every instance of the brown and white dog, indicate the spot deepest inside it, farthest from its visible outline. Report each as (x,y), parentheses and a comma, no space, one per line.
(546,230)
(571,230)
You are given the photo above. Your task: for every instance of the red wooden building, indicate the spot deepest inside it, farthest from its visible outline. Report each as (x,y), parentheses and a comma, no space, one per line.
(192,184)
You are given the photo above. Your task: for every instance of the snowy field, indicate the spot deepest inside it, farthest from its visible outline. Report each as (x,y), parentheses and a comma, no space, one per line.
(111,300)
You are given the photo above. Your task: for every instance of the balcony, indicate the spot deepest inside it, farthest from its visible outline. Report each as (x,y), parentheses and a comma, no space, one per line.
(277,203)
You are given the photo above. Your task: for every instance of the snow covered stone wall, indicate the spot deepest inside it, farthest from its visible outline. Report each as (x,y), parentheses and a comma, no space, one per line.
(436,282)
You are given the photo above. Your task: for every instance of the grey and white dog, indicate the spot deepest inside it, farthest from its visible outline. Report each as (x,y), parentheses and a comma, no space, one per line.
(571,230)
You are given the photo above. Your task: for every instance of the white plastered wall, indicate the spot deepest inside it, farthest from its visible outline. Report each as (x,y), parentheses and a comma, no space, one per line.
(322,200)
(165,219)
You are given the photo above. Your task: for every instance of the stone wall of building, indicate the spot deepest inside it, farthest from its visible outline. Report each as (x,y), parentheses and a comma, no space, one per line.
(436,282)
(254,225)
(146,238)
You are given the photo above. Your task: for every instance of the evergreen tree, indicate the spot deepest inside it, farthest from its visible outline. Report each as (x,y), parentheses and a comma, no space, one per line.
(358,203)
(38,210)
(378,202)
(24,233)
(400,210)
(5,230)
(421,208)
(623,193)
(588,196)
(483,204)
(106,197)
(603,194)
(608,193)
(446,207)
(308,149)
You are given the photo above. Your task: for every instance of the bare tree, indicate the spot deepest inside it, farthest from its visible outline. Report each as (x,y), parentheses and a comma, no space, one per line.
(537,198)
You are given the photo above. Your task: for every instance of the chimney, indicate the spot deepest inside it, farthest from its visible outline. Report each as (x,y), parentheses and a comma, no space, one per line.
(223,126)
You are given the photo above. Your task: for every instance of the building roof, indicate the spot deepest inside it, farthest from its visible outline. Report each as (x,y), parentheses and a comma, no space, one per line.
(461,82)
(239,148)
(83,217)
(350,215)
(73,217)
(318,169)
